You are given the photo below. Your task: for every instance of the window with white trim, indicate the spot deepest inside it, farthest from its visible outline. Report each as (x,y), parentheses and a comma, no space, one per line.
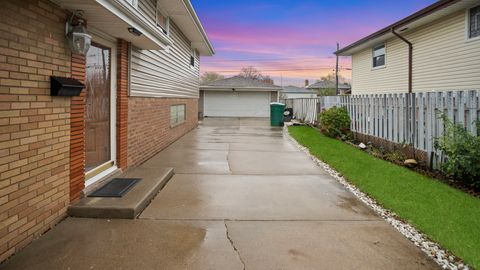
(177,114)
(474,22)
(133,3)
(163,21)
(378,56)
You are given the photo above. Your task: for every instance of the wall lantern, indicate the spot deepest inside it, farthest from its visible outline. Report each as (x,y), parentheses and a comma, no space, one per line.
(76,33)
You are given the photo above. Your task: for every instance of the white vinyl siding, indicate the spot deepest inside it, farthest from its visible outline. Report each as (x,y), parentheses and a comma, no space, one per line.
(442,60)
(148,9)
(165,73)
(392,78)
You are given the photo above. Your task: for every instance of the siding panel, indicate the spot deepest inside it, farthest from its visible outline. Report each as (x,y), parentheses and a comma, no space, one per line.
(148,9)
(165,73)
(442,60)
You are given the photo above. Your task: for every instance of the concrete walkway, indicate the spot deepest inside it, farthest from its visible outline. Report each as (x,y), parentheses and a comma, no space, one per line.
(243,197)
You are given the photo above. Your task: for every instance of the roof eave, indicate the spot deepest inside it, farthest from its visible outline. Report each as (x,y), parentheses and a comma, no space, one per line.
(346,51)
(194,16)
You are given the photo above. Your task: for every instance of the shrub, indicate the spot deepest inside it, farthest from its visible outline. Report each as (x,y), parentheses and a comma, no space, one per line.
(335,122)
(462,149)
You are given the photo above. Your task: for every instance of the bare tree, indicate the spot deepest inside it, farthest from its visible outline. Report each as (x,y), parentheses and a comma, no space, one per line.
(253,73)
(331,78)
(210,76)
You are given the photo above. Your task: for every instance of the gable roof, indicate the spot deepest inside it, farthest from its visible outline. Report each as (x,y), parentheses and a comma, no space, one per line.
(296,90)
(239,82)
(424,16)
(185,17)
(328,85)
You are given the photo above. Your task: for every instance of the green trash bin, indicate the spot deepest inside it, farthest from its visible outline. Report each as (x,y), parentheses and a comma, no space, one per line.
(276,114)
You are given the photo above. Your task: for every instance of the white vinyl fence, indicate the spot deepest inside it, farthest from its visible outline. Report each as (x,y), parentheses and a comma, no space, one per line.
(401,118)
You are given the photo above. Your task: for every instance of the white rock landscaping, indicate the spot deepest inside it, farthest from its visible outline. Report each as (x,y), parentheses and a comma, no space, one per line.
(432,249)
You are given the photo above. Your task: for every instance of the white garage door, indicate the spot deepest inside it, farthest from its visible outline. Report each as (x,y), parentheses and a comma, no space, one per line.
(237,104)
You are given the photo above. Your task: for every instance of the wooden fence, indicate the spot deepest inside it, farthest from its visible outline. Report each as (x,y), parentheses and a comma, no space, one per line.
(411,119)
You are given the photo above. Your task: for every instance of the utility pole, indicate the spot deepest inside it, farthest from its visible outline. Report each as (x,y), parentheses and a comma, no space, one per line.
(336,71)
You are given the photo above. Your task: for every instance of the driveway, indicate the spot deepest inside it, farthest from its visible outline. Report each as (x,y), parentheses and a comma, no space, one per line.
(243,197)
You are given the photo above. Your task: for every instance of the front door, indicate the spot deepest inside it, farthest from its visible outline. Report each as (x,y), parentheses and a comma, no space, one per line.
(99,131)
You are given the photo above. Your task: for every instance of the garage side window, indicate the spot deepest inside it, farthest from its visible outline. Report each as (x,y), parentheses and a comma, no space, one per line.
(177,115)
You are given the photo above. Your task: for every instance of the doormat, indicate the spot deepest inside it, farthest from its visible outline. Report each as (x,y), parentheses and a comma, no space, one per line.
(115,188)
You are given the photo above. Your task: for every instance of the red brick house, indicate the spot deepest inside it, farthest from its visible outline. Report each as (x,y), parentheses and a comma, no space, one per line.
(141,77)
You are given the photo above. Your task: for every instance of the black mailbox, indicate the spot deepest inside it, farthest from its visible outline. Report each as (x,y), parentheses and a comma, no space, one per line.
(68,87)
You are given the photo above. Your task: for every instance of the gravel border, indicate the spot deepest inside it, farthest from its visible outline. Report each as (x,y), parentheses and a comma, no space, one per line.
(432,249)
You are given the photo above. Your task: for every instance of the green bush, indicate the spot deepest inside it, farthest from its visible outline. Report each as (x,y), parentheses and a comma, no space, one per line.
(462,149)
(335,122)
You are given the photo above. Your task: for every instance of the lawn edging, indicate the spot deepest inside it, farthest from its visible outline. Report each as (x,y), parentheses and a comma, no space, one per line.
(440,255)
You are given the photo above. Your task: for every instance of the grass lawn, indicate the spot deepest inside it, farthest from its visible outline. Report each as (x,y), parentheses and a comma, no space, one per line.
(448,216)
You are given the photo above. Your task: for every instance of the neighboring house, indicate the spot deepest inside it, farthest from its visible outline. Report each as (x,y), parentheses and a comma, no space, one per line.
(329,88)
(296,92)
(237,97)
(445,51)
(142,88)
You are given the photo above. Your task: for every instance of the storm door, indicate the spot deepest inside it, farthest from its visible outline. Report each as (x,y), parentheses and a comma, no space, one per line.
(99,130)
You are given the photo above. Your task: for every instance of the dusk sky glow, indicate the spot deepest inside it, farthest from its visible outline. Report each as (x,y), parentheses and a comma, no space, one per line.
(292,40)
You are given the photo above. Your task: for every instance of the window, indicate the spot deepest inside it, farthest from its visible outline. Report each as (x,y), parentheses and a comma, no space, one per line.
(379,56)
(192,58)
(474,22)
(177,115)
(133,3)
(163,21)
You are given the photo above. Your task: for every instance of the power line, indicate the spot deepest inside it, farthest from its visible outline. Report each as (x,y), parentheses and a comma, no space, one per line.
(293,69)
(263,59)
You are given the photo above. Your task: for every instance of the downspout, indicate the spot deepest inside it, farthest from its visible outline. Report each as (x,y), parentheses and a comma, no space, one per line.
(410,57)
(410,114)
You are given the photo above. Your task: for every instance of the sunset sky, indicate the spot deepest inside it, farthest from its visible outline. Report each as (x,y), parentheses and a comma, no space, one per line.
(292,40)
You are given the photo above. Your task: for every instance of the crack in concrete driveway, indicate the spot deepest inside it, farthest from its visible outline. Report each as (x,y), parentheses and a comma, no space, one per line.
(233,245)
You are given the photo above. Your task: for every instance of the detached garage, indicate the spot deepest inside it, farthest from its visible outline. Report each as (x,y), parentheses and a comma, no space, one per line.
(237,97)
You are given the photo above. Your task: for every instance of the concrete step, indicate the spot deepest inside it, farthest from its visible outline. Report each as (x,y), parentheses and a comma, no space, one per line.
(132,203)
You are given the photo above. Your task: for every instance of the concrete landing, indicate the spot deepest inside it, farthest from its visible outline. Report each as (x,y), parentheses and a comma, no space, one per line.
(130,205)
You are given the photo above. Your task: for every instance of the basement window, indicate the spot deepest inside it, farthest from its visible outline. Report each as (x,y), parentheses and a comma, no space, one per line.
(474,22)
(177,114)
(378,56)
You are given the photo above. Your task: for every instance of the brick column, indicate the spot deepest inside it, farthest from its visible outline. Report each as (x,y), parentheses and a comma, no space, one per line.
(77,133)
(122,102)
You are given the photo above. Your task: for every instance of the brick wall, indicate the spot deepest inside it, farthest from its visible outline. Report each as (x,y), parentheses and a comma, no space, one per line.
(34,127)
(77,133)
(149,129)
(122,103)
